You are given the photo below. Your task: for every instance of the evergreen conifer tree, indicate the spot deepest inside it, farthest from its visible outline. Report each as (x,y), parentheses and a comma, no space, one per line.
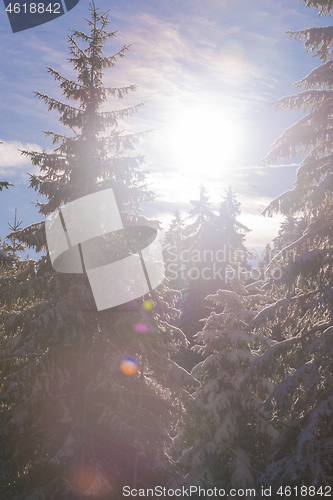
(214,247)
(300,363)
(226,440)
(230,238)
(230,229)
(194,266)
(174,244)
(11,245)
(10,248)
(73,425)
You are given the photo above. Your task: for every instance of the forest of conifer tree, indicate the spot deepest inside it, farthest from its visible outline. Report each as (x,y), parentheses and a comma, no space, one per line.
(215,384)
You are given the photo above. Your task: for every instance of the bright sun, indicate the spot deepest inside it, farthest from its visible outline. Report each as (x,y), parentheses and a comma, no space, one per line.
(205,141)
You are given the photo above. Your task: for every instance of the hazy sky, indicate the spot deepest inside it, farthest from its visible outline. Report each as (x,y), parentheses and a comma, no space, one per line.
(206,69)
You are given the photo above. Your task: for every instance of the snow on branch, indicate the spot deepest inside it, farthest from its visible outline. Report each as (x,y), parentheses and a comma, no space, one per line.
(318,40)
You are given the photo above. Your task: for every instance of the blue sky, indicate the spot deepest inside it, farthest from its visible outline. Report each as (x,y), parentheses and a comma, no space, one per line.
(206,69)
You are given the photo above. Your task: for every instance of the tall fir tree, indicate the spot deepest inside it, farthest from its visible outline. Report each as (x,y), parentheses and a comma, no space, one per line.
(300,363)
(174,245)
(11,245)
(73,425)
(232,232)
(226,439)
(195,265)
(214,249)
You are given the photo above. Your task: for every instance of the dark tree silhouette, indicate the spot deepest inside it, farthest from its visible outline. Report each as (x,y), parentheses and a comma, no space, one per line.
(73,425)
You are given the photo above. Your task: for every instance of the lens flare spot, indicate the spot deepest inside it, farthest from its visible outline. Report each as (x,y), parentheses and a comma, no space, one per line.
(85,481)
(141,327)
(147,305)
(129,366)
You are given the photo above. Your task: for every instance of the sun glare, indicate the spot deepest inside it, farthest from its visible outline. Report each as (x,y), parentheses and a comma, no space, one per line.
(205,141)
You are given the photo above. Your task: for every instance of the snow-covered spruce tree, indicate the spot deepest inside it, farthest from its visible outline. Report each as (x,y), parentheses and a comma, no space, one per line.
(72,424)
(11,245)
(231,232)
(300,364)
(196,266)
(226,439)
(174,244)
(9,259)
(211,245)
(10,265)
(4,257)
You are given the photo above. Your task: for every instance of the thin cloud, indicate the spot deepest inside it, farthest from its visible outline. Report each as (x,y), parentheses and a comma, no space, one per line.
(12,161)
